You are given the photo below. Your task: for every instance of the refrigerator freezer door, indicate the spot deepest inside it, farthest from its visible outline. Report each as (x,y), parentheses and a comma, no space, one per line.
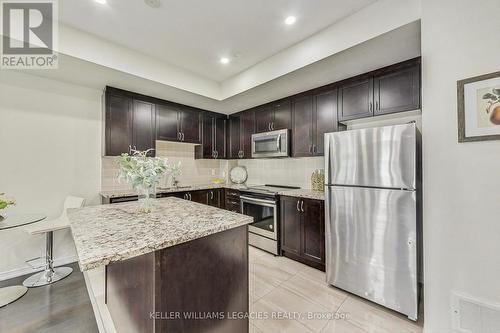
(373,157)
(371,240)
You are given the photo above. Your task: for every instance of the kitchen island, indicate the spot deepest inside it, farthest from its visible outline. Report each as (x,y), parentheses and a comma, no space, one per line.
(181,268)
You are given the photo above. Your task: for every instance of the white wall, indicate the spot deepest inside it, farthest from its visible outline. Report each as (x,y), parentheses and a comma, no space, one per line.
(50,135)
(461,183)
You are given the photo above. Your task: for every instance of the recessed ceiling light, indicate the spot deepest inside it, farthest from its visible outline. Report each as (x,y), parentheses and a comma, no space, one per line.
(224,60)
(290,20)
(102,2)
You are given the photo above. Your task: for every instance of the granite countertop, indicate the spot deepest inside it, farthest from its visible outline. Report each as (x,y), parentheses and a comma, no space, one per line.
(110,233)
(160,190)
(304,193)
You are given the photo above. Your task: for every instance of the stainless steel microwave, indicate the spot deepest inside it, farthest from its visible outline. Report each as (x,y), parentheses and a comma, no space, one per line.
(271,144)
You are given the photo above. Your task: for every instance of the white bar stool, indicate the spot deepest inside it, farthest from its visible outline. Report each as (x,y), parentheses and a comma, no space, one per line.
(50,274)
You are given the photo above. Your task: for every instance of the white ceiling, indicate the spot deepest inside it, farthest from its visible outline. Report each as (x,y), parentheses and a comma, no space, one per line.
(194,34)
(392,47)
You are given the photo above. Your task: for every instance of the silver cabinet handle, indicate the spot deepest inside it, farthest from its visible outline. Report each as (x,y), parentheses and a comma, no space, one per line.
(272,126)
(190,198)
(182,136)
(298,202)
(314,149)
(371,106)
(211,195)
(268,126)
(302,206)
(310,149)
(376,105)
(216,154)
(179,136)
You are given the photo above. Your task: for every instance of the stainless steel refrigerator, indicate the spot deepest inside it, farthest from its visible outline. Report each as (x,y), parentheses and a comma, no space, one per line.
(372,205)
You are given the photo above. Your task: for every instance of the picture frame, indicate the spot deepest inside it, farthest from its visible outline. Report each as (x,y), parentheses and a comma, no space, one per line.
(479,108)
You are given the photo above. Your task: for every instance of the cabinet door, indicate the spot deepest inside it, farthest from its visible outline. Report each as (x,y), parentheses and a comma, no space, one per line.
(356,99)
(247,129)
(313,230)
(282,115)
(325,118)
(143,126)
(290,225)
(263,119)
(167,122)
(213,197)
(190,125)
(199,196)
(118,124)
(397,91)
(220,137)
(302,135)
(207,130)
(234,137)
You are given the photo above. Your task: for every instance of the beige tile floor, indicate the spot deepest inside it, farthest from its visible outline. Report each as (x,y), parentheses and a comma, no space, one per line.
(287,296)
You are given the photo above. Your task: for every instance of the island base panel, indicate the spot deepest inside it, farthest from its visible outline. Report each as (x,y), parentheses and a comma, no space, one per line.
(198,286)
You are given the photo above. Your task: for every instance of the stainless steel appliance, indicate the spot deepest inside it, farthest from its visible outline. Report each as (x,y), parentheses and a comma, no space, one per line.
(372,204)
(261,202)
(271,144)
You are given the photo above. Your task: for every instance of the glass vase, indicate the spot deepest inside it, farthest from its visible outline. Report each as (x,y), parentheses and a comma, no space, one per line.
(146,195)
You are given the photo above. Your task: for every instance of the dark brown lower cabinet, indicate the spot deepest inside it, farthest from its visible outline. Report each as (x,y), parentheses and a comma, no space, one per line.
(212,197)
(303,230)
(177,288)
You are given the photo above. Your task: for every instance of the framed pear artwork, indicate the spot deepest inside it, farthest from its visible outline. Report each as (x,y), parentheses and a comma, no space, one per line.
(479,108)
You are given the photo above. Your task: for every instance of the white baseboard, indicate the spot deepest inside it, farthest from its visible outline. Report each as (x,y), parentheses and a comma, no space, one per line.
(26,269)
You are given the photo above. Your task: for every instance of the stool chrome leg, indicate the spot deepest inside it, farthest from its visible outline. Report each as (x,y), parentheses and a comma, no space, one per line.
(11,294)
(50,274)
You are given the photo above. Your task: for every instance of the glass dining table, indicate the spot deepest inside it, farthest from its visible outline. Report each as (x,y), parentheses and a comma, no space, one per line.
(13,293)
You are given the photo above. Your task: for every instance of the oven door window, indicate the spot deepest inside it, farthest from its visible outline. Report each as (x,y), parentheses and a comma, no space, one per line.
(266,144)
(264,219)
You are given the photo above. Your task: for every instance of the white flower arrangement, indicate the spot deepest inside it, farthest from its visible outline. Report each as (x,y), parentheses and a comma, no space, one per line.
(140,170)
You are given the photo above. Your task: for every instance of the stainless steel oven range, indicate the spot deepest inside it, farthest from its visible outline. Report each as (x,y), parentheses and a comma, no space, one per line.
(261,202)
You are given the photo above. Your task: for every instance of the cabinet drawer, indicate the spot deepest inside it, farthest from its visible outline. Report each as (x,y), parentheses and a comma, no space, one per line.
(232,193)
(233,206)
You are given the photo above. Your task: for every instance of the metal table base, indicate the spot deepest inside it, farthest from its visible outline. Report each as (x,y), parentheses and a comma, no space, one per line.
(11,294)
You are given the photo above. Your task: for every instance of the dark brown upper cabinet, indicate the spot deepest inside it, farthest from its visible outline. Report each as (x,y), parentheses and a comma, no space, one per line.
(189,124)
(213,137)
(129,123)
(135,120)
(241,128)
(325,118)
(234,137)
(397,90)
(274,116)
(313,116)
(356,99)
(303,230)
(167,122)
(302,130)
(143,126)
(178,123)
(388,90)
(118,124)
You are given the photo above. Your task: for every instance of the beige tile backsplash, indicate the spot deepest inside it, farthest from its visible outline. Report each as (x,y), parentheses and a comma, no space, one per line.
(192,171)
(288,171)
(283,171)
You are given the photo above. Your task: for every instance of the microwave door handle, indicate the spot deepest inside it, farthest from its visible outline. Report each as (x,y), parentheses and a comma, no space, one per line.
(278,143)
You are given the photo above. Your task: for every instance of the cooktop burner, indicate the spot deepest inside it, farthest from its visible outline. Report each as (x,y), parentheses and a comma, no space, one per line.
(269,189)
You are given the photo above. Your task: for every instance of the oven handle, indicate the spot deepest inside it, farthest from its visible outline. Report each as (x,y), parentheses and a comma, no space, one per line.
(255,200)
(278,143)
